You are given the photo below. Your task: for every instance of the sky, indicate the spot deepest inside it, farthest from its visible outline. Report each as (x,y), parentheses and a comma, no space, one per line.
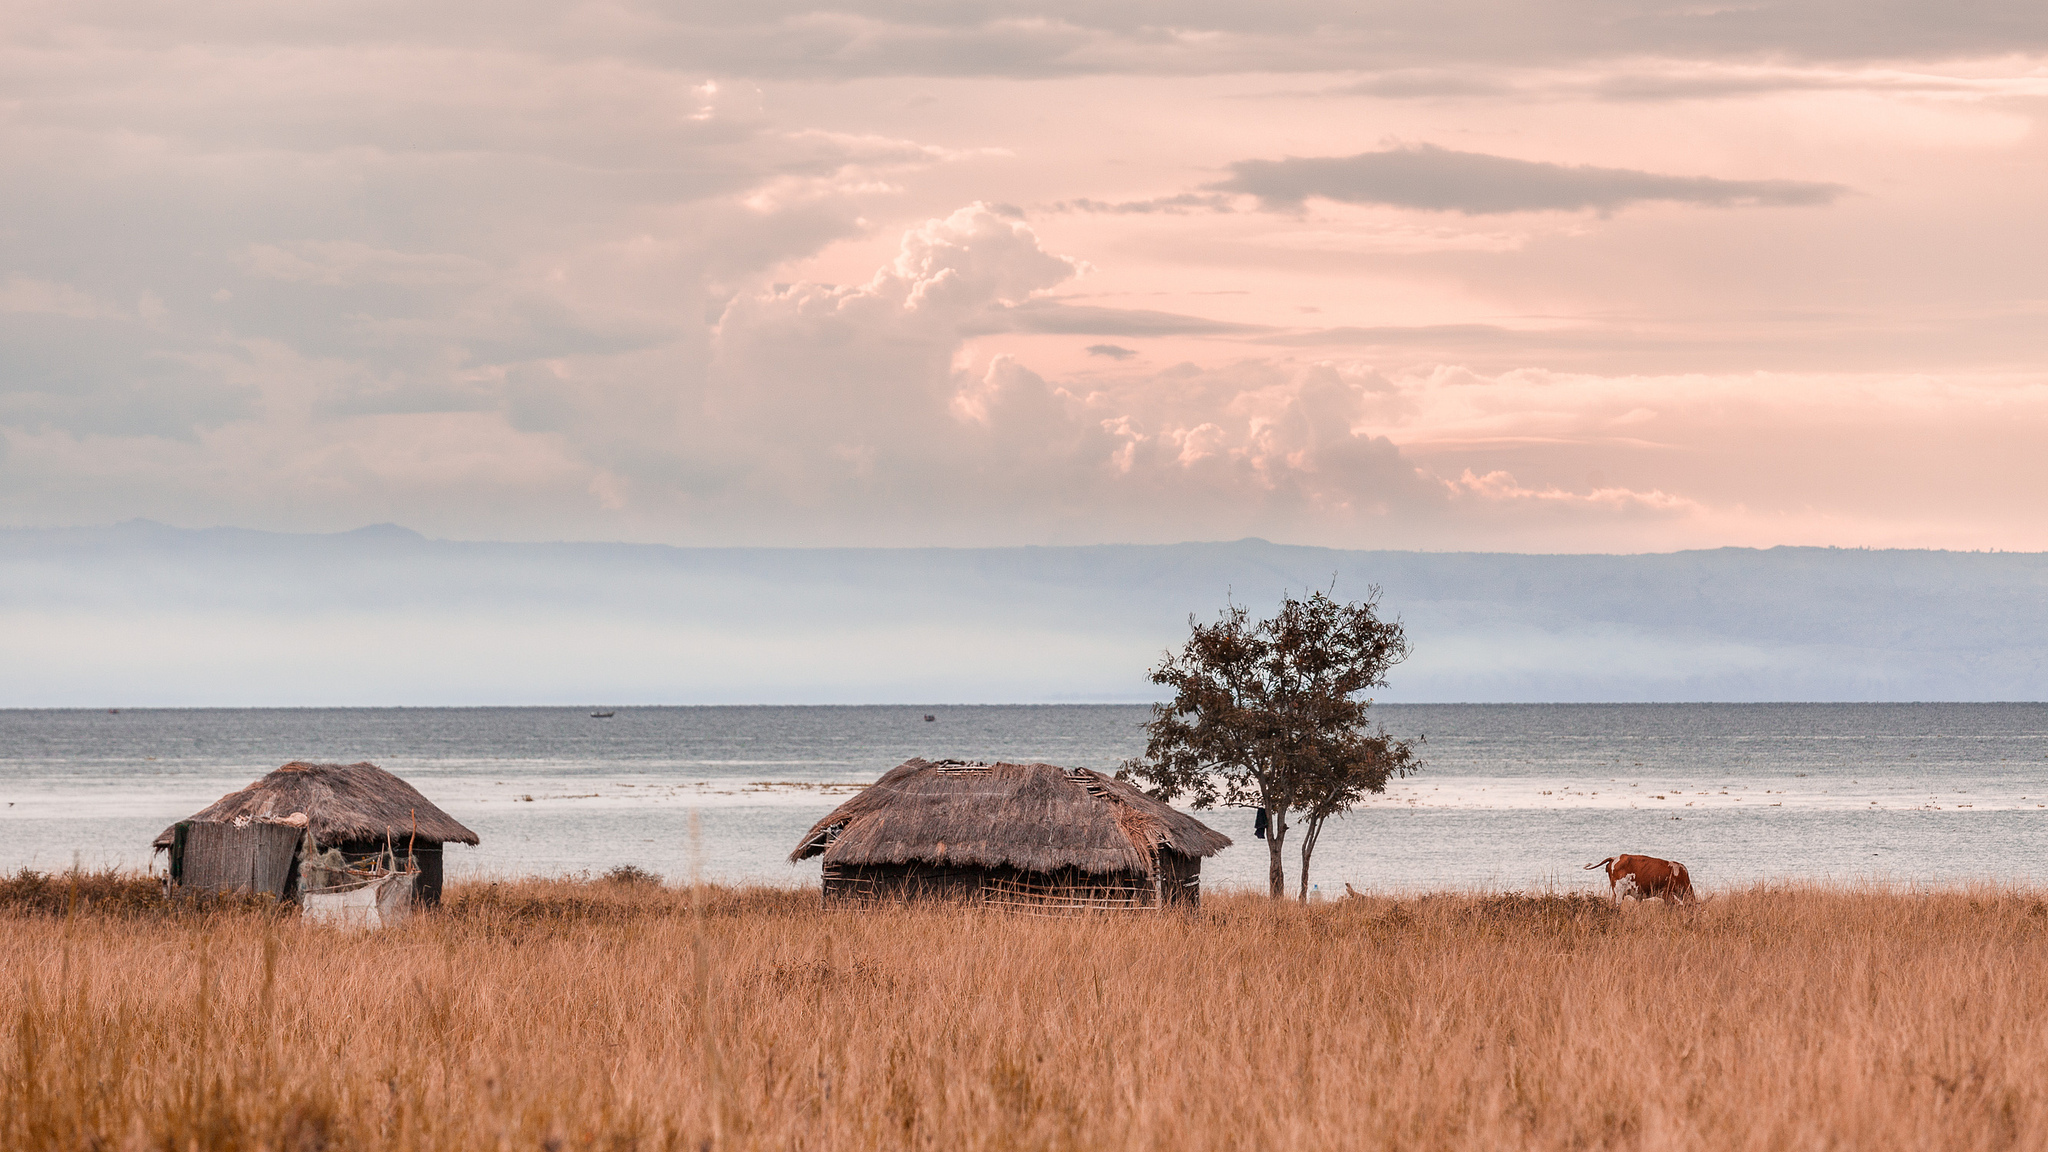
(1533,276)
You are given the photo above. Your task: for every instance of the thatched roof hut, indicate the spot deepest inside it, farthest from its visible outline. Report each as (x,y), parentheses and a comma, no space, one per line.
(356,808)
(1009,833)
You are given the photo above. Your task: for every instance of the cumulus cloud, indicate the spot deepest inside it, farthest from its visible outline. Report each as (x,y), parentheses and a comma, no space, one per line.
(1438,179)
(821,373)
(858,397)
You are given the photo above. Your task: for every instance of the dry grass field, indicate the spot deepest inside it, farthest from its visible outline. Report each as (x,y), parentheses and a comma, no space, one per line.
(563,1015)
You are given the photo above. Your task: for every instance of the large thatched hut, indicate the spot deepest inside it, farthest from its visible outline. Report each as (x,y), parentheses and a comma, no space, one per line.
(358,808)
(1019,834)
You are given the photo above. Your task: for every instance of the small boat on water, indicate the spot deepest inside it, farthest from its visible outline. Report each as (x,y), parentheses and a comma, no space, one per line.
(928,717)
(602,715)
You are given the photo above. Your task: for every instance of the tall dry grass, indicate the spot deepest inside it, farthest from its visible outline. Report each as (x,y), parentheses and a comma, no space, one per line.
(630,1016)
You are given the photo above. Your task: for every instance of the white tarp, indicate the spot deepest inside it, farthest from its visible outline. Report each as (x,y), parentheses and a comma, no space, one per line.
(377,903)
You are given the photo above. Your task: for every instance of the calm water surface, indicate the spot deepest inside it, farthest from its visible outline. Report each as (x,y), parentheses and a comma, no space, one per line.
(1512,795)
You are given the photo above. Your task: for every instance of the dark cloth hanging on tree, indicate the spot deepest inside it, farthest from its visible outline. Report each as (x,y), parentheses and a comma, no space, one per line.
(1259,824)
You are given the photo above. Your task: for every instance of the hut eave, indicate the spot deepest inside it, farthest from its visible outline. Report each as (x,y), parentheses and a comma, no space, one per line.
(343,803)
(1031,817)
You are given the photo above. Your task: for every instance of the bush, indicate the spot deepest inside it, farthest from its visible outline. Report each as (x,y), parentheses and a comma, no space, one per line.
(632,874)
(111,892)
(107,891)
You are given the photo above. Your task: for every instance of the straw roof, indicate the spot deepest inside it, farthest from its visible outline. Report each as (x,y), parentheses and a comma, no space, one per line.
(342,802)
(1035,817)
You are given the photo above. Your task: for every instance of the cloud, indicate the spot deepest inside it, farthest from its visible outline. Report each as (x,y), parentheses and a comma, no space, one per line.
(1629,81)
(1112,351)
(1755,341)
(346,262)
(1438,179)
(506,270)
(837,381)
(300,233)
(877,412)
(1056,317)
(1433,178)
(847,39)
(74,376)
(1426,84)
(1670,85)
(1500,488)
(1177,205)
(31,295)
(855,400)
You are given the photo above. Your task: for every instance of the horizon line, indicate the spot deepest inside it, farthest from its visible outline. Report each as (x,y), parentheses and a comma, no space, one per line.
(392,530)
(122,708)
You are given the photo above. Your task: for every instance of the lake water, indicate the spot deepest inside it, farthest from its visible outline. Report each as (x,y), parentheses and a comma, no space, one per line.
(1511,795)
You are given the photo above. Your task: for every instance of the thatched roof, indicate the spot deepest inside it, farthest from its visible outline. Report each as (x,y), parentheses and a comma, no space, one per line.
(1035,817)
(342,802)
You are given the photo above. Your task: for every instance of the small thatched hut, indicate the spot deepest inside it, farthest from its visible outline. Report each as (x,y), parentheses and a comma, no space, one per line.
(1018,834)
(359,808)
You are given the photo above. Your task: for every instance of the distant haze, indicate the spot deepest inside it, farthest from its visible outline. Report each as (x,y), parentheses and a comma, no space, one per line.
(142,614)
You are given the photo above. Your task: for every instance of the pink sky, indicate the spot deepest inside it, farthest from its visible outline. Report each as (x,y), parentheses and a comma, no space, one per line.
(1549,277)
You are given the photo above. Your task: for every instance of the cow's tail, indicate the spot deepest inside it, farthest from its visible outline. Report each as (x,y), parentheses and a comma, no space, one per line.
(1598,864)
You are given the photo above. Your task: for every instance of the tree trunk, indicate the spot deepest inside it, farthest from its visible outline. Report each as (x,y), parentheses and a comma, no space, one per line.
(1309,832)
(1276,864)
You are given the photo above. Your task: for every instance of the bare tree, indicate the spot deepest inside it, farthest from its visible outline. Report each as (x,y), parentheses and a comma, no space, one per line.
(1271,713)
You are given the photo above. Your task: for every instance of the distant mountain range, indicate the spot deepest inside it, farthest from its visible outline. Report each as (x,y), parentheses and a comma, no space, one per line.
(142,614)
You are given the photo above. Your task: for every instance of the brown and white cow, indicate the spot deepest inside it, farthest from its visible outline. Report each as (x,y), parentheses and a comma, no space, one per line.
(1646,876)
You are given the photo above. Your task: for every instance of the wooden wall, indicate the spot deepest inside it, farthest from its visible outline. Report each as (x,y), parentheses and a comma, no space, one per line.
(1178,883)
(211,857)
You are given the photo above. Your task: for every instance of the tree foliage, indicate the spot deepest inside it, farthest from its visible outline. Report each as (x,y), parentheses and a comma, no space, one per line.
(1273,714)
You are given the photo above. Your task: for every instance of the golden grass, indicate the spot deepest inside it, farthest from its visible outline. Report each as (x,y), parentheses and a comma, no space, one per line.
(563,1015)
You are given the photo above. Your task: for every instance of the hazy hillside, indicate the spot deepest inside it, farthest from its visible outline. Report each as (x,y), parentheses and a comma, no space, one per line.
(144,614)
